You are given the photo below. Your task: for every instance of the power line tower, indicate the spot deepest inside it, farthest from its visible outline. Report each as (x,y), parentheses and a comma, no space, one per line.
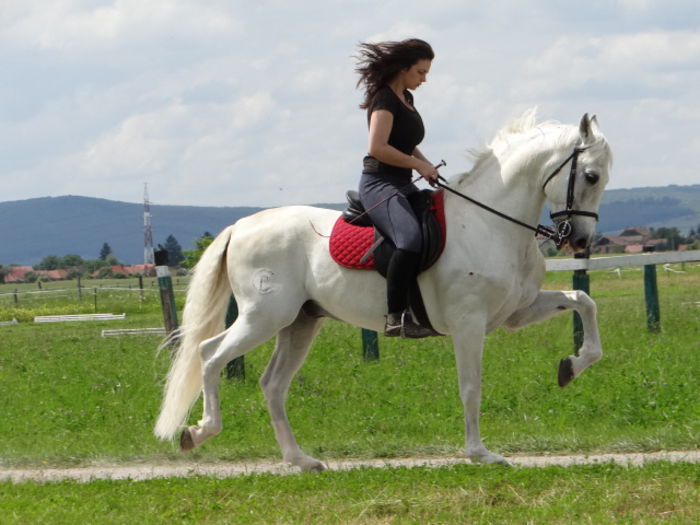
(147,232)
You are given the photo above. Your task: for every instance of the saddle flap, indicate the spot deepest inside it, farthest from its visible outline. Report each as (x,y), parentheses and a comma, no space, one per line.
(349,241)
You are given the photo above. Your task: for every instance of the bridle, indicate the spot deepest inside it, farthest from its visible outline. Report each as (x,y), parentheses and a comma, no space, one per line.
(563,228)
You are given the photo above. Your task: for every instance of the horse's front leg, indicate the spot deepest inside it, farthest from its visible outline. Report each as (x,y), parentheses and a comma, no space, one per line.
(468,342)
(549,303)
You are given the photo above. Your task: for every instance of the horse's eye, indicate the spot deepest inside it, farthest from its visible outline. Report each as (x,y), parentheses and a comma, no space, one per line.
(591,177)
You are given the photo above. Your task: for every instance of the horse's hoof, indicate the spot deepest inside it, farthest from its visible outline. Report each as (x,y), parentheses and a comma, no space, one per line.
(490,459)
(308,464)
(318,467)
(186,441)
(566,372)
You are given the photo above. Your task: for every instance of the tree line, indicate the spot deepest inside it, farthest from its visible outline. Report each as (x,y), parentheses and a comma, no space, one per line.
(101,267)
(673,238)
(179,258)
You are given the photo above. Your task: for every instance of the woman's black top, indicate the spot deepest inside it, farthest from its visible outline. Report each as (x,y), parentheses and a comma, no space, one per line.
(407,130)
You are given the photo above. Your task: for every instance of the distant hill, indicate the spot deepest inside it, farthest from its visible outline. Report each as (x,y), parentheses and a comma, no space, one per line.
(653,207)
(34,228)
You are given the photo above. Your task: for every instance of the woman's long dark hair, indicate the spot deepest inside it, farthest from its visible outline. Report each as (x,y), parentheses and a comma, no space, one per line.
(378,64)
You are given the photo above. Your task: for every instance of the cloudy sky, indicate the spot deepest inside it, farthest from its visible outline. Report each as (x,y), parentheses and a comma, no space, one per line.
(233,102)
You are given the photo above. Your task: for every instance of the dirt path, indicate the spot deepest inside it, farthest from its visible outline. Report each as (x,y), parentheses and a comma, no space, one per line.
(225,470)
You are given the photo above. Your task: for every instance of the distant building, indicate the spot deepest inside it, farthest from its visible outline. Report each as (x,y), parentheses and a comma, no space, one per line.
(631,239)
(133,270)
(17,274)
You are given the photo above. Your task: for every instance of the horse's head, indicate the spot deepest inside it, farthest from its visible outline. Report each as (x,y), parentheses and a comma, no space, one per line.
(575,185)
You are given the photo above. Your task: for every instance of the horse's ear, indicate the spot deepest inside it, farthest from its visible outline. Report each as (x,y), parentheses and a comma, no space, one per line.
(585,128)
(595,127)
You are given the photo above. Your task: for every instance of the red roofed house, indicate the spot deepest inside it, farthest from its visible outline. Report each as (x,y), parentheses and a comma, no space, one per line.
(630,240)
(17,274)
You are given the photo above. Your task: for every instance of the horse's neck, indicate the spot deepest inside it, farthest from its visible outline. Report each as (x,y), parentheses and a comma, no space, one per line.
(508,183)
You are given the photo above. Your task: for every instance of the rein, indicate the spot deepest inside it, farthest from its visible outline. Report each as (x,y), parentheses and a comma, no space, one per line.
(546,231)
(563,229)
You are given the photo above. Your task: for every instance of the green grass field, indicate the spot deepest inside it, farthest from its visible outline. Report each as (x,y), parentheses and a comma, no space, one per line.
(71,397)
(657,493)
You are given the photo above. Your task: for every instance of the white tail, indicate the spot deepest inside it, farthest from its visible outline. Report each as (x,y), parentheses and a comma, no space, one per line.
(208,296)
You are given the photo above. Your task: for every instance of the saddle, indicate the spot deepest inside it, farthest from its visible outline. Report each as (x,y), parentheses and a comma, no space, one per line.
(356,243)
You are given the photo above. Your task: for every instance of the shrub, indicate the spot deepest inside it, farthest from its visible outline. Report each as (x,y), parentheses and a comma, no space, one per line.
(27,315)
(105,273)
(31,277)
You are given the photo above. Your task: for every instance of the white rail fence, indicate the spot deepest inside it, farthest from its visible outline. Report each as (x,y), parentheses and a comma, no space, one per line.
(621,261)
(648,261)
(78,317)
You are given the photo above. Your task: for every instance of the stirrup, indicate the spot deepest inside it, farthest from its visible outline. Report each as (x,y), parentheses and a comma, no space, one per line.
(405,327)
(394,325)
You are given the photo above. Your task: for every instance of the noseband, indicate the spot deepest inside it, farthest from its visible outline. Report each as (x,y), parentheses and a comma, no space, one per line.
(564,228)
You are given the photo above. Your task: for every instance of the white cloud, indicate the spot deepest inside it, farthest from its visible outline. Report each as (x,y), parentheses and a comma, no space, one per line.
(230,102)
(403,29)
(640,63)
(140,144)
(251,109)
(74,24)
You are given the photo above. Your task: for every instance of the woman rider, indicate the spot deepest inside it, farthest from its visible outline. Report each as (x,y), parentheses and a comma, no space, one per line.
(389,71)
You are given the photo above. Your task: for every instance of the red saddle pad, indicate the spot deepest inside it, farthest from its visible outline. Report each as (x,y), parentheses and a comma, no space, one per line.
(348,243)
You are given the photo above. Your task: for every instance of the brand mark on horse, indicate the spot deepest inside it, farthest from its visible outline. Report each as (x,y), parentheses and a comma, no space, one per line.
(262,280)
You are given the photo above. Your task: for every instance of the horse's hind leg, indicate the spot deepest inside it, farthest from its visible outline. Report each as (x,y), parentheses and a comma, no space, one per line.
(241,337)
(293,344)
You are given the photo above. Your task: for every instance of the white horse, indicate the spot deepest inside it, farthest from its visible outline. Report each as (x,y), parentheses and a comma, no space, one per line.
(277,265)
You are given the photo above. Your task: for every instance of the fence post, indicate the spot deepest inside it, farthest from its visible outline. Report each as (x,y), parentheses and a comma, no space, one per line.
(167,296)
(581,281)
(651,294)
(235,369)
(370,345)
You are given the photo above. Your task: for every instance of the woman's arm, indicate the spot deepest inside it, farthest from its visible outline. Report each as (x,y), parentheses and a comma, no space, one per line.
(380,124)
(417,153)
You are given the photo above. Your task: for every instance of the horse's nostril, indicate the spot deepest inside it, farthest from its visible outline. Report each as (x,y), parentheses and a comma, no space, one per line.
(580,243)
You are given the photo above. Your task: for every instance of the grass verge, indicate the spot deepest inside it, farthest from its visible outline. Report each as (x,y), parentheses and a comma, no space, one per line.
(658,492)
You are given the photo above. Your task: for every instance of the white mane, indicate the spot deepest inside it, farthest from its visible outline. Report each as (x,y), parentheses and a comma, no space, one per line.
(525,128)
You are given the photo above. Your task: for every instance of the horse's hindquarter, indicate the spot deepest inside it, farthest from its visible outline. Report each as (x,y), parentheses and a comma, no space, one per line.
(282,254)
(269,252)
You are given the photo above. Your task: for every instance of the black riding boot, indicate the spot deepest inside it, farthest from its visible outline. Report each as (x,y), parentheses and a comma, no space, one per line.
(403,268)
(402,325)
